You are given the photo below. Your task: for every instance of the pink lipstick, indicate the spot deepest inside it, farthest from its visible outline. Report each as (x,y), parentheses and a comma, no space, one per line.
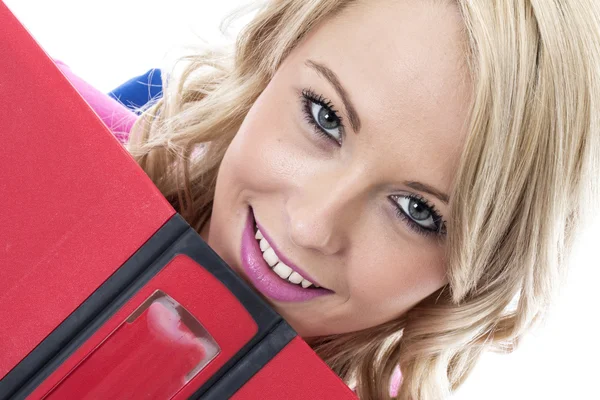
(264,278)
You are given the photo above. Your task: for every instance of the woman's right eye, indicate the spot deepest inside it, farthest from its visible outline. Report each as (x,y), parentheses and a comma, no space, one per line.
(321,115)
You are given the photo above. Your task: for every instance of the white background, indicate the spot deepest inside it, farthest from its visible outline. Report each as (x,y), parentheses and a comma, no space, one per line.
(107,42)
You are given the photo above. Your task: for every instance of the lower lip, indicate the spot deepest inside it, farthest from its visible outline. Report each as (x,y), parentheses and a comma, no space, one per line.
(264,279)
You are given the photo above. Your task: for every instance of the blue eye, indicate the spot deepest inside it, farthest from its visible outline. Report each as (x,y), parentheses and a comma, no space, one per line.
(419,215)
(321,115)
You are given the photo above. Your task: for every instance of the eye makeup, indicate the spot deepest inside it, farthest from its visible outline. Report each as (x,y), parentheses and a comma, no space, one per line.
(439,228)
(319,111)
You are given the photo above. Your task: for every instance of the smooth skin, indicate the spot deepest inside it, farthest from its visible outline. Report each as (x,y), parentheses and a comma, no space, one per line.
(332,198)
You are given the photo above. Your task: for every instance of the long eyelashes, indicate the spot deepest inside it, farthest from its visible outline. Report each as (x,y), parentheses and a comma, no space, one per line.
(309,99)
(439,228)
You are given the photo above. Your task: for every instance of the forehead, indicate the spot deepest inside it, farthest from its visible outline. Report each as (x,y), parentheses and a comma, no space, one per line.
(403,66)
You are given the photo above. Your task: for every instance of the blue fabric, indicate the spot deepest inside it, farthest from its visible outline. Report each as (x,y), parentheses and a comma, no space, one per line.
(139,91)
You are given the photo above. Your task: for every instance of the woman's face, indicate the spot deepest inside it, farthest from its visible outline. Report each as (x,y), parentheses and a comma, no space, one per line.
(344,163)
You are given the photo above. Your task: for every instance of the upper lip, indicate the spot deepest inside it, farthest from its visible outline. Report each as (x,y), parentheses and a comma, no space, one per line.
(285,260)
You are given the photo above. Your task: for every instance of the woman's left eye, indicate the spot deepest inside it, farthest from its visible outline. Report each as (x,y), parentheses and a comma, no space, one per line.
(419,215)
(321,115)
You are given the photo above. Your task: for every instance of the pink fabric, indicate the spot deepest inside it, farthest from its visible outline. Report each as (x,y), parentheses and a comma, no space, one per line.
(116,116)
(396,381)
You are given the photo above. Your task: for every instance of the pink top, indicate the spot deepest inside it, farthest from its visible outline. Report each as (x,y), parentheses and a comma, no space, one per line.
(115,115)
(119,119)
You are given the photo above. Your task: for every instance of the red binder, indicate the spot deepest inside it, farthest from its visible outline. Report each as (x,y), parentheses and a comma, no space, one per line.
(105,291)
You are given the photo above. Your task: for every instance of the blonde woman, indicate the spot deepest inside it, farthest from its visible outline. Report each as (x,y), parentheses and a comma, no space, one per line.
(401,180)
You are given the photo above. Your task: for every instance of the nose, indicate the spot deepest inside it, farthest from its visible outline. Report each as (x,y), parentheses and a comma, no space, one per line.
(322,214)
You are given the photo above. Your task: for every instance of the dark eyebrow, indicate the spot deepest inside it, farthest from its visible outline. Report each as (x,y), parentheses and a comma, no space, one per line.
(428,189)
(328,74)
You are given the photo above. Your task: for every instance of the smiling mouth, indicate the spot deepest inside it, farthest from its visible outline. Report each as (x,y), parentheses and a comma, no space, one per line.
(284,271)
(270,272)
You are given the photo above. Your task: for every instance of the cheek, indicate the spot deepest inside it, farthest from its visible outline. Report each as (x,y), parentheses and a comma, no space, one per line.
(396,276)
(267,153)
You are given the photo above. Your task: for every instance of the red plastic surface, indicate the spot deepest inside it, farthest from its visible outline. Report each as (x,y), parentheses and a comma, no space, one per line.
(296,373)
(139,362)
(74,206)
(159,341)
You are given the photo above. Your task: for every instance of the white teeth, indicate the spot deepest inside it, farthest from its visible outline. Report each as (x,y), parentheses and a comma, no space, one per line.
(282,270)
(295,278)
(264,245)
(270,257)
(306,283)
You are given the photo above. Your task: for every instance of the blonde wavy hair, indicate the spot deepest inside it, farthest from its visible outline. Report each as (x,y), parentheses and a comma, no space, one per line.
(528,175)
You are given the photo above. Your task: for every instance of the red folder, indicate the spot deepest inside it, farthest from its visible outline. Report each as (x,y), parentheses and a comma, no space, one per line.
(105,291)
